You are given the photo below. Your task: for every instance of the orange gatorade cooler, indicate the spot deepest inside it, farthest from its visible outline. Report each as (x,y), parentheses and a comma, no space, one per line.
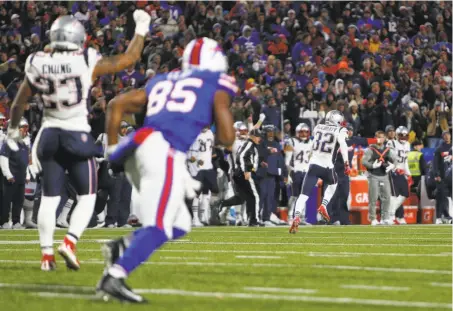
(428,214)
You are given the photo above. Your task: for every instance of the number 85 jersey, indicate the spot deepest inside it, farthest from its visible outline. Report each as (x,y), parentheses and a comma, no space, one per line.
(180,104)
(63,81)
(326,141)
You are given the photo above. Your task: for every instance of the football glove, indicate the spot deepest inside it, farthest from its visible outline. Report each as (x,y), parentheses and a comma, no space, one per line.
(400,171)
(389,167)
(13,138)
(115,170)
(142,21)
(377,164)
(347,169)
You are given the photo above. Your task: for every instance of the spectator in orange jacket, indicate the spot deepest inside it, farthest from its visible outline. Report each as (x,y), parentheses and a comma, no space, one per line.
(279,48)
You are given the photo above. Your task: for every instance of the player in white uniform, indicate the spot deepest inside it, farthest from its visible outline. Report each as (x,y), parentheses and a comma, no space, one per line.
(327,138)
(200,155)
(399,177)
(297,156)
(63,78)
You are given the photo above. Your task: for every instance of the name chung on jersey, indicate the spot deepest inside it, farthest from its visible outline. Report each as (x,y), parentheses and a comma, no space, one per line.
(56,69)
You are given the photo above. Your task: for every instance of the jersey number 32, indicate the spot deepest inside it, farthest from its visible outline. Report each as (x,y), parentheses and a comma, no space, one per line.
(173,95)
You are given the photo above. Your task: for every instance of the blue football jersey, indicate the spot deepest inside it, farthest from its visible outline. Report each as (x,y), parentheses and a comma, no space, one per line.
(181,103)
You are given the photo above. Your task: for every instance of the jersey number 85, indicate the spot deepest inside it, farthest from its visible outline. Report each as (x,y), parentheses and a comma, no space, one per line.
(173,95)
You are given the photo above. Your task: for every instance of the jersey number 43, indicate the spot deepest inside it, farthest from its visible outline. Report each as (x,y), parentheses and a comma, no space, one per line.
(173,95)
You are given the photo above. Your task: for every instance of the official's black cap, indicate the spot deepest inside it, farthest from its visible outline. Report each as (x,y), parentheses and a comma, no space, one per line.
(255,132)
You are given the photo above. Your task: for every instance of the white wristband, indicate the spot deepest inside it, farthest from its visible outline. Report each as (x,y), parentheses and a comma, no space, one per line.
(141,29)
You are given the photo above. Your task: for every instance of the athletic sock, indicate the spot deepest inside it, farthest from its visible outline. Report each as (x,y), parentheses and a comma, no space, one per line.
(82,214)
(47,222)
(300,205)
(146,240)
(328,194)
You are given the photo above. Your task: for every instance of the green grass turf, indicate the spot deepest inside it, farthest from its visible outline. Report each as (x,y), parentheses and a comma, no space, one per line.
(211,270)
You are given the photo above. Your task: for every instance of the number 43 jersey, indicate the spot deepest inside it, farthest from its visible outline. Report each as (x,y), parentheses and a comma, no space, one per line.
(180,104)
(326,141)
(63,80)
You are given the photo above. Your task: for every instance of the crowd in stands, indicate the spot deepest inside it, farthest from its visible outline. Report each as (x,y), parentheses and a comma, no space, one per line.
(380,63)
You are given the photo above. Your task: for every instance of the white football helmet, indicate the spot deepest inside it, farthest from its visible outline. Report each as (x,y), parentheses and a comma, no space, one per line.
(402,133)
(67,33)
(204,54)
(334,117)
(303,131)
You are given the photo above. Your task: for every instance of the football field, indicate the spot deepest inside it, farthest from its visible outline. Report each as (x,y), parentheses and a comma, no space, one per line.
(240,268)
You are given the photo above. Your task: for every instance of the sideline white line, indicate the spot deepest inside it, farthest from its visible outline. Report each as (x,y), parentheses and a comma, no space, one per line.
(282,236)
(370,287)
(312,254)
(441,284)
(280,290)
(258,257)
(253,264)
(328,300)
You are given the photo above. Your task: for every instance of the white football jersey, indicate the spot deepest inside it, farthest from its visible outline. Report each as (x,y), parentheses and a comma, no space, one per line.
(401,150)
(202,148)
(326,141)
(63,79)
(300,155)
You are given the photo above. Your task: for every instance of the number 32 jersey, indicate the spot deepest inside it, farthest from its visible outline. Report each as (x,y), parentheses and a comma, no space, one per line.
(326,141)
(180,104)
(63,80)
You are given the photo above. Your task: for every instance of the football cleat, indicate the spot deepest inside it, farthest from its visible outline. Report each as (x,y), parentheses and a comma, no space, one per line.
(295,225)
(67,250)
(112,251)
(109,286)
(375,222)
(48,263)
(323,212)
(401,221)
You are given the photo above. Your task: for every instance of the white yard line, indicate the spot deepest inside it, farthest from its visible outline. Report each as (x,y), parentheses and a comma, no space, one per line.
(223,295)
(311,254)
(9,242)
(435,284)
(303,244)
(343,267)
(258,257)
(253,264)
(184,258)
(280,290)
(331,255)
(370,287)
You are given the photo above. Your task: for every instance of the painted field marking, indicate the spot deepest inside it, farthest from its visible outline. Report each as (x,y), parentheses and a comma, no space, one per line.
(370,287)
(436,284)
(254,264)
(184,258)
(258,257)
(222,295)
(303,244)
(280,290)
(311,254)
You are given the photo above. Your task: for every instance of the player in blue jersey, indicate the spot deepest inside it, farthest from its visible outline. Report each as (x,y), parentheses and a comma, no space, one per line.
(179,105)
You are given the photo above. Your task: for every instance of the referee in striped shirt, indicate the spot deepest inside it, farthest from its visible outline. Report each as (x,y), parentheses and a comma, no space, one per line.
(244,178)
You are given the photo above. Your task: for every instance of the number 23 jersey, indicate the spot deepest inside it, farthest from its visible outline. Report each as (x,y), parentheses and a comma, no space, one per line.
(326,143)
(180,104)
(63,80)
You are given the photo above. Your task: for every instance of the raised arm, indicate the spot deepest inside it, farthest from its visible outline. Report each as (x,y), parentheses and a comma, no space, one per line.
(114,64)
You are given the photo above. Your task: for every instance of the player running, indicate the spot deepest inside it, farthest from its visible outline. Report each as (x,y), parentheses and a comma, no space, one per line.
(63,79)
(400,176)
(179,105)
(297,156)
(327,139)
